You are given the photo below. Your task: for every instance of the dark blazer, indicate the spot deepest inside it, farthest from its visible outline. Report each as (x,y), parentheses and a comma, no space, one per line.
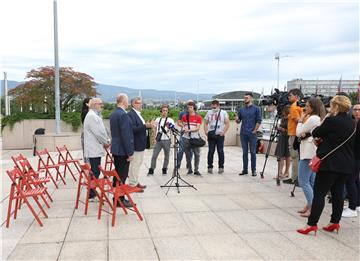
(357,143)
(122,139)
(334,131)
(139,131)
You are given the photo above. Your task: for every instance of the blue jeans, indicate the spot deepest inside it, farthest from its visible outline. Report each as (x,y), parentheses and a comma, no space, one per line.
(217,143)
(247,140)
(306,180)
(181,152)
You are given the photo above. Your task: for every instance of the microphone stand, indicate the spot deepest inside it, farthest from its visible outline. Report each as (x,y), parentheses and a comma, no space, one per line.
(176,176)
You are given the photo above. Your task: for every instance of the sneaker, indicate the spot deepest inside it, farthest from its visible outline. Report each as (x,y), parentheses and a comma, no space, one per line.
(358,209)
(94,199)
(164,171)
(151,171)
(210,170)
(349,213)
(243,173)
(221,170)
(190,171)
(254,174)
(197,173)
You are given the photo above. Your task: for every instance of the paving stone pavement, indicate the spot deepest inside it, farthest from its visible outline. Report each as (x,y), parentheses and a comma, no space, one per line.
(228,217)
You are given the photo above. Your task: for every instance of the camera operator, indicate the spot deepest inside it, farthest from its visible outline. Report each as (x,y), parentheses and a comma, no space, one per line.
(294,117)
(250,116)
(163,140)
(216,125)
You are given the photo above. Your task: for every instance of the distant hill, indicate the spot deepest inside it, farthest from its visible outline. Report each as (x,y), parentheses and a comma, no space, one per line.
(109,92)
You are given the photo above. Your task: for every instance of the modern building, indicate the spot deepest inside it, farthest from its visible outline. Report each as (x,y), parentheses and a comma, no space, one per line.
(229,101)
(323,87)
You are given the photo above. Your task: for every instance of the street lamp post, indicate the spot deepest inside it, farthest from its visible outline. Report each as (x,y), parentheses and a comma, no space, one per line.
(277,57)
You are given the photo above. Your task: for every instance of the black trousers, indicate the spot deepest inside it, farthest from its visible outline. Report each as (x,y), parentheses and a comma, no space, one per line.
(122,168)
(94,163)
(325,181)
(353,187)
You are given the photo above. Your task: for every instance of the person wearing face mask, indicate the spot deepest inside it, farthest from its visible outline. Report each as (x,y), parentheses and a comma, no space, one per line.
(250,116)
(353,183)
(216,125)
(95,137)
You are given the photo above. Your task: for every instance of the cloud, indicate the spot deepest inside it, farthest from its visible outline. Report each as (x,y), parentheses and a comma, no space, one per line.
(171,44)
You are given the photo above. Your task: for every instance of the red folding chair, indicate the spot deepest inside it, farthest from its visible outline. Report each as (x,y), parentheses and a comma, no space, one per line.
(65,158)
(19,192)
(47,163)
(88,180)
(32,176)
(109,161)
(118,191)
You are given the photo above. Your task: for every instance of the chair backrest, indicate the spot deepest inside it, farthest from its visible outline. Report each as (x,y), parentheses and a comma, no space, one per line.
(108,159)
(64,153)
(15,177)
(18,159)
(110,173)
(45,158)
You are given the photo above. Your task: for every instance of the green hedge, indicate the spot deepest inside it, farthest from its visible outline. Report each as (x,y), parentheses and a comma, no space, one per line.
(73,118)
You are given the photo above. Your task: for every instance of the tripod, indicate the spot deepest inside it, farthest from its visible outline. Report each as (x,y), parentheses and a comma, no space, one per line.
(273,135)
(176,175)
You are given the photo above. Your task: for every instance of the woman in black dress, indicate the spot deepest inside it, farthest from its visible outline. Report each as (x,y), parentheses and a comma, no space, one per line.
(282,148)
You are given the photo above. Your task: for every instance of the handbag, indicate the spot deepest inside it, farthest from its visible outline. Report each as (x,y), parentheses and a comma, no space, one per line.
(315,162)
(195,142)
(212,134)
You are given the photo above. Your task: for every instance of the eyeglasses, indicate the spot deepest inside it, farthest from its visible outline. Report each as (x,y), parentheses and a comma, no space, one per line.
(356,109)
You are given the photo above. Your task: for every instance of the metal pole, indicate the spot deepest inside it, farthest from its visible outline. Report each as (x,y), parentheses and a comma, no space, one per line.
(277,57)
(7,107)
(57,72)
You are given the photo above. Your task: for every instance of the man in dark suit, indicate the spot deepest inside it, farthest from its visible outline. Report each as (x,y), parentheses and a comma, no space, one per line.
(122,140)
(139,127)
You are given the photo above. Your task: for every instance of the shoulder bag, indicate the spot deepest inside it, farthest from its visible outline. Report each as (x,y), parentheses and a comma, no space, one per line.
(315,162)
(212,134)
(194,142)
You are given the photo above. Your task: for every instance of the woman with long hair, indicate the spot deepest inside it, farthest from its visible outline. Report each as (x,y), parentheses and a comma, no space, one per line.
(309,120)
(335,137)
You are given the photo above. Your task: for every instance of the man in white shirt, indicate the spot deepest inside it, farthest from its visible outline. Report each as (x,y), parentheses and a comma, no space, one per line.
(139,128)
(163,140)
(216,125)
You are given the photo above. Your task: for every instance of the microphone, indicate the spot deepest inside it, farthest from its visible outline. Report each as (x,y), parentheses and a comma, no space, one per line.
(171,126)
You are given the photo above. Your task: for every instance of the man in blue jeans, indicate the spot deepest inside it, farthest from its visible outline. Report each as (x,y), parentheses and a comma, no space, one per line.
(216,125)
(250,115)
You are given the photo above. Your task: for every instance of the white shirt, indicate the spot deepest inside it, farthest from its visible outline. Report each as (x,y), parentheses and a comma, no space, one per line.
(139,114)
(160,122)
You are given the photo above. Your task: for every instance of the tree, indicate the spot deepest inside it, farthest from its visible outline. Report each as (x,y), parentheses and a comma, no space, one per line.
(39,90)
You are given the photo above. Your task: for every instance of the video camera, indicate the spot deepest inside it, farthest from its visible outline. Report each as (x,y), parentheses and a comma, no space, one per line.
(279,99)
(325,100)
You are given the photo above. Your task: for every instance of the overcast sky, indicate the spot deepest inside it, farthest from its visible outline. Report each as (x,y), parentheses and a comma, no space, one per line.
(172,44)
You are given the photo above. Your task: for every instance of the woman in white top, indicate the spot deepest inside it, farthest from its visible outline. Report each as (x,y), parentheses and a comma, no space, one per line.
(311,118)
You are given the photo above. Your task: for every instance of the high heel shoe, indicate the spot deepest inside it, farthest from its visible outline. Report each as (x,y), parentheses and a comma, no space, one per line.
(307,230)
(303,210)
(332,227)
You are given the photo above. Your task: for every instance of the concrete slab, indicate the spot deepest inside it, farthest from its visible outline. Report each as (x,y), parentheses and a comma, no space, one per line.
(89,250)
(43,251)
(132,249)
(167,225)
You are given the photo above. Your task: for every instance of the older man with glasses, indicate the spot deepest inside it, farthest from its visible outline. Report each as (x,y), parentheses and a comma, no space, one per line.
(95,137)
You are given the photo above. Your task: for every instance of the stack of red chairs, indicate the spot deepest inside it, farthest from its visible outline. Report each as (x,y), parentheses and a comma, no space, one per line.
(22,189)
